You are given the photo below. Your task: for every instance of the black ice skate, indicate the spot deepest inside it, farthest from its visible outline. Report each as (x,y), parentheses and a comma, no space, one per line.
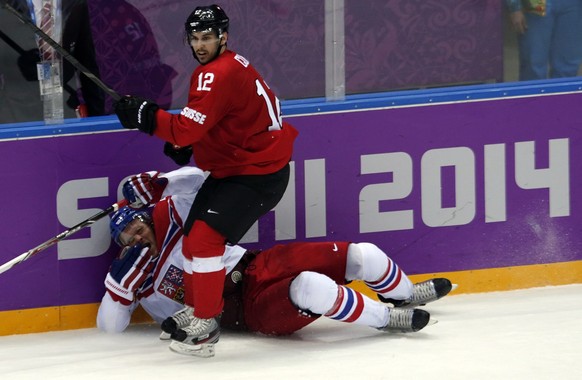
(179,320)
(406,320)
(198,338)
(423,293)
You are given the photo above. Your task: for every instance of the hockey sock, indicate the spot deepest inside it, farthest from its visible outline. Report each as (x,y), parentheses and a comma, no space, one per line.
(369,263)
(353,307)
(206,247)
(315,294)
(187,283)
(207,291)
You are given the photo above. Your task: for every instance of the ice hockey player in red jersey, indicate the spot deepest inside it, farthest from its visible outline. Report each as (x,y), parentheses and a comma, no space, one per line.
(275,292)
(233,128)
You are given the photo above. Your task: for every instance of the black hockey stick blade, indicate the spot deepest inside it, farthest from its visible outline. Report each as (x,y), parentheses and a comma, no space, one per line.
(62,51)
(63,235)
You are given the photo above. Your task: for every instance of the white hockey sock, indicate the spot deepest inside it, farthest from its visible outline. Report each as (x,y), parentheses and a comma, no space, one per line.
(319,294)
(313,292)
(369,263)
(352,306)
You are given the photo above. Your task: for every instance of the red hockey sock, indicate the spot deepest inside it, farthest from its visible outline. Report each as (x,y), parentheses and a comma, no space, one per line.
(188,294)
(207,293)
(206,247)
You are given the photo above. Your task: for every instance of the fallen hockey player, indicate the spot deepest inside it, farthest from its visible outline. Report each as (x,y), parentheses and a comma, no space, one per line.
(275,292)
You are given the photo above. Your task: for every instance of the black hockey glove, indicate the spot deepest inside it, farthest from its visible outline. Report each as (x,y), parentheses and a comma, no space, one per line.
(135,112)
(180,156)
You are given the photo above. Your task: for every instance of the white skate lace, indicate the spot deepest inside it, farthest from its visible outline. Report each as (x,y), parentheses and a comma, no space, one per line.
(424,292)
(184,317)
(198,327)
(400,319)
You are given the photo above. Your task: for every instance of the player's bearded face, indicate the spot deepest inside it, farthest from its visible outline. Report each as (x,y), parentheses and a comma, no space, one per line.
(206,45)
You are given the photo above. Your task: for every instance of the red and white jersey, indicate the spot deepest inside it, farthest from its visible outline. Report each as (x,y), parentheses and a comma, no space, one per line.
(162,293)
(232,121)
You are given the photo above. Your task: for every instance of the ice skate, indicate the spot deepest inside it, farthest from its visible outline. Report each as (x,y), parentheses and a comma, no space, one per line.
(423,293)
(406,320)
(198,338)
(179,320)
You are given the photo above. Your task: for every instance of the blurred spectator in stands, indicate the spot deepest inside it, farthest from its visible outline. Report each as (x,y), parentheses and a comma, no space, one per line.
(128,52)
(19,54)
(549,37)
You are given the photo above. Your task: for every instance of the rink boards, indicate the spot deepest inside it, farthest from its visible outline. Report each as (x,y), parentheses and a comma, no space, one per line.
(482,189)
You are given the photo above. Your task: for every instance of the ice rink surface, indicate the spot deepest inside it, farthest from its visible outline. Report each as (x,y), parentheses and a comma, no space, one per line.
(524,334)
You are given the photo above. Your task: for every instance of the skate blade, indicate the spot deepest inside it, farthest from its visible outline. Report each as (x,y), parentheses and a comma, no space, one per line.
(165,336)
(205,350)
(432,321)
(454,286)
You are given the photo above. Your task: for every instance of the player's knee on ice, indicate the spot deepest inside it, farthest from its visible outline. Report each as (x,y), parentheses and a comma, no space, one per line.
(313,292)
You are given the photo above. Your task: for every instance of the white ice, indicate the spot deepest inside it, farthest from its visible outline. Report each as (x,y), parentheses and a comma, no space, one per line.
(523,334)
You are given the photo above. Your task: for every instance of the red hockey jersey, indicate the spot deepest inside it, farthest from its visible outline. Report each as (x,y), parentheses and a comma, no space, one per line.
(232,121)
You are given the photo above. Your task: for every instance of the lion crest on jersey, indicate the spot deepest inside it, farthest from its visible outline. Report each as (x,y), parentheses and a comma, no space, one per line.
(172,284)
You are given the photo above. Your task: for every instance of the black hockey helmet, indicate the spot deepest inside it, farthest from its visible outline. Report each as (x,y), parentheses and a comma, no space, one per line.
(209,17)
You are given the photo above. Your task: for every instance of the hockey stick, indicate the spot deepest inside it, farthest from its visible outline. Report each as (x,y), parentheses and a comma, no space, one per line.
(63,235)
(62,51)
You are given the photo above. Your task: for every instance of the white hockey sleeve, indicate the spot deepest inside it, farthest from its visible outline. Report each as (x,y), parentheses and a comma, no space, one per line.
(113,316)
(184,181)
(183,185)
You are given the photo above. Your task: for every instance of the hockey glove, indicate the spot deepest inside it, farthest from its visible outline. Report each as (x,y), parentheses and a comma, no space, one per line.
(135,112)
(128,272)
(144,189)
(180,156)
